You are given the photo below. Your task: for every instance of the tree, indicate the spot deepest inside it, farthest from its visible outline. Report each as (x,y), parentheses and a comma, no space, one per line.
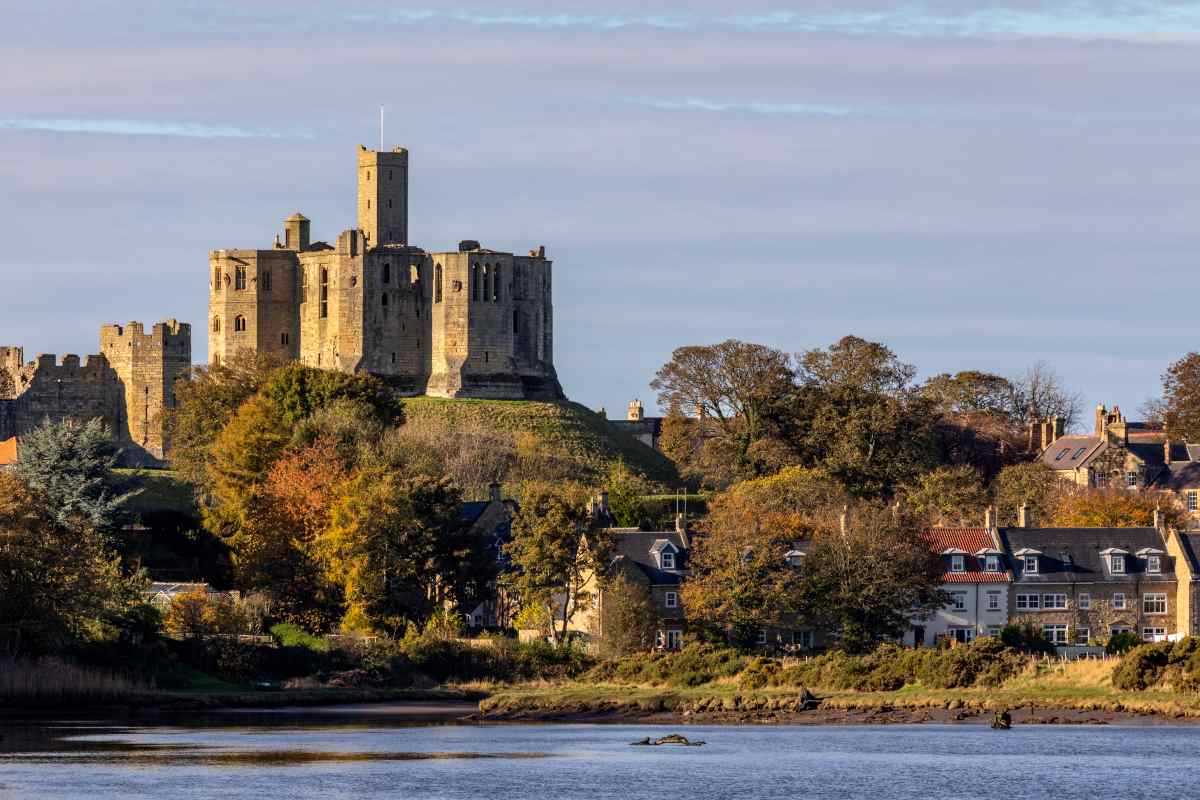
(796,503)
(868,584)
(190,616)
(858,416)
(8,386)
(948,496)
(1081,507)
(1042,395)
(385,547)
(731,387)
(59,584)
(71,467)
(554,554)
(742,581)
(1180,405)
(626,489)
(980,423)
(1031,484)
(627,617)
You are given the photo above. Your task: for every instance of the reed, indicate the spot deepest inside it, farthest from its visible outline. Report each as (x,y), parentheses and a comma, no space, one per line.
(51,681)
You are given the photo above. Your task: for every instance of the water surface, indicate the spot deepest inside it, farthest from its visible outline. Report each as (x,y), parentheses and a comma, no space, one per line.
(377,755)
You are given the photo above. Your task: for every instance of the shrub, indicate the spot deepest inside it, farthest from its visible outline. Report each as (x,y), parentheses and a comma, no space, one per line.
(694,665)
(1025,638)
(1141,667)
(288,635)
(1122,642)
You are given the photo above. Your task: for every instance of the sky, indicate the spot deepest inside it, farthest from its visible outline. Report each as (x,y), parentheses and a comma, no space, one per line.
(976,185)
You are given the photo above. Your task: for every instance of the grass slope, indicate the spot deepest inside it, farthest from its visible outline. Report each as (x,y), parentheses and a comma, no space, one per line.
(568,429)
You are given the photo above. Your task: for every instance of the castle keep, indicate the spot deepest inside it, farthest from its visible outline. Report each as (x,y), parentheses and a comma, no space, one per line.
(128,385)
(467,323)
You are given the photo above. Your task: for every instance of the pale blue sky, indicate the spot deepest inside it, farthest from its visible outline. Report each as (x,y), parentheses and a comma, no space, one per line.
(979,185)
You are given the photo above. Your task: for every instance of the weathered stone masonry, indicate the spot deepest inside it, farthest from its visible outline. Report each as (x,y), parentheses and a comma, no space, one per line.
(467,323)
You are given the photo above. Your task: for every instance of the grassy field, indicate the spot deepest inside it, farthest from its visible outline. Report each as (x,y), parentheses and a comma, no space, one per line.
(568,430)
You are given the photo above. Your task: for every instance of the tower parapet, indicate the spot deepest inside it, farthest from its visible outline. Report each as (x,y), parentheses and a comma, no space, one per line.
(147,365)
(383,196)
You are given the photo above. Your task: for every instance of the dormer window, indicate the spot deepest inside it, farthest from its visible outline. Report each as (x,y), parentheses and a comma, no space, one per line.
(991,564)
(1116,564)
(958,563)
(1154,564)
(795,558)
(1031,565)
(668,559)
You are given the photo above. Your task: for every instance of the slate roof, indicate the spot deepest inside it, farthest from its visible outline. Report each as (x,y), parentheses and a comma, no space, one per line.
(1191,549)
(970,541)
(1070,452)
(1074,554)
(636,548)
(1180,475)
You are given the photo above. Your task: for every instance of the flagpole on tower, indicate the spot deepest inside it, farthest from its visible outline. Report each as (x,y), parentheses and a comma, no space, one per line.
(381,129)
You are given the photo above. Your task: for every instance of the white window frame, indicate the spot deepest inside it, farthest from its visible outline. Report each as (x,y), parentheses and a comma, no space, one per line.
(961,635)
(1031,564)
(1115,629)
(993,601)
(1056,628)
(1083,633)
(1058,598)
(674,638)
(1085,601)
(1116,564)
(1192,497)
(667,559)
(1131,479)
(1029,602)
(803,639)
(1154,598)
(762,635)
(992,564)
(1119,602)
(958,563)
(959,601)
(1154,565)
(1154,634)
(671,599)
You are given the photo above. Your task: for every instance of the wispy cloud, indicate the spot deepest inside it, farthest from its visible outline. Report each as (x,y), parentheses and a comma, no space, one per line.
(749,107)
(142,127)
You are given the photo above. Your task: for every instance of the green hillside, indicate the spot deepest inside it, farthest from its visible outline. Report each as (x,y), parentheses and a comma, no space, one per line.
(572,431)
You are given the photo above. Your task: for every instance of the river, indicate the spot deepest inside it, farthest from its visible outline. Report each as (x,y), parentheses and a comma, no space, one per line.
(374,754)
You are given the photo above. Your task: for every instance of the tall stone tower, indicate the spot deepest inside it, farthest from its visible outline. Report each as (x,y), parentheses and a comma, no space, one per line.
(147,366)
(383,196)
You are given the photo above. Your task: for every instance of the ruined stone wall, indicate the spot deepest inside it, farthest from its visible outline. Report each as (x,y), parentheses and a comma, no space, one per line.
(147,366)
(49,389)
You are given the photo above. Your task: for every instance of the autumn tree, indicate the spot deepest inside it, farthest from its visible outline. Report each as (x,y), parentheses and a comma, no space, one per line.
(628,620)
(626,489)
(866,585)
(1031,484)
(1080,507)
(797,503)
(8,386)
(70,465)
(980,422)
(554,555)
(1180,404)
(948,496)
(1041,394)
(858,416)
(60,584)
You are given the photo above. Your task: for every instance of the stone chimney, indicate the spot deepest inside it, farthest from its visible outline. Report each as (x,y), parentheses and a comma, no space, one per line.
(603,412)
(844,520)
(1166,448)
(1101,421)
(494,492)
(681,529)
(1024,516)
(989,518)
(636,412)
(1160,518)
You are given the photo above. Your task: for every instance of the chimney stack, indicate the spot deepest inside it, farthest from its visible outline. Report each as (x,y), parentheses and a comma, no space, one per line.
(1101,413)
(1023,516)
(1159,520)
(989,518)
(494,492)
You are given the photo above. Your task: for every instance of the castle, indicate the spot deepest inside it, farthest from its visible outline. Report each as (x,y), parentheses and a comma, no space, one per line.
(128,385)
(467,323)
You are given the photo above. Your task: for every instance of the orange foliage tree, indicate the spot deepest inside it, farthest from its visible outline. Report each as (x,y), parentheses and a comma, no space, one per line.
(1113,508)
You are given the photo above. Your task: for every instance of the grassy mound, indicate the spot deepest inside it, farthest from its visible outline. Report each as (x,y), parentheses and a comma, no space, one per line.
(570,431)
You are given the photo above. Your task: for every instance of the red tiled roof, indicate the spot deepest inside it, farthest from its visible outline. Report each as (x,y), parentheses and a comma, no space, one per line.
(971,540)
(8,452)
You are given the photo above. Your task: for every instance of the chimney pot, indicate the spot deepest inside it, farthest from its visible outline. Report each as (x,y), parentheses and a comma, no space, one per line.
(1023,516)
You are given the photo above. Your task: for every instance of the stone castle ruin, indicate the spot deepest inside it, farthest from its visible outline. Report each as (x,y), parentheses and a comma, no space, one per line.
(467,323)
(128,385)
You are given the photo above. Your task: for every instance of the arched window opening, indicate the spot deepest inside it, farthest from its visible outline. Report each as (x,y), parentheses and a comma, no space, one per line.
(437,284)
(387,272)
(216,326)
(496,284)
(264,280)
(383,301)
(239,278)
(239,324)
(217,280)
(303,286)
(475,282)
(324,293)
(216,359)
(516,322)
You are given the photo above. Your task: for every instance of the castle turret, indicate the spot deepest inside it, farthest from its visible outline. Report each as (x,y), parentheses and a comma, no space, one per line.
(296,232)
(147,366)
(383,196)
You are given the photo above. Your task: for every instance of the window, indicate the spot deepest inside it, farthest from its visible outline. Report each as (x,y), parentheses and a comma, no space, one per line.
(383,299)
(437,284)
(496,284)
(1054,602)
(387,272)
(674,639)
(485,290)
(303,286)
(1154,564)
(762,636)
(1055,633)
(963,635)
(1118,601)
(1083,635)
(1062,454)
(958,601)
(992,564)
(1116,564)
(1031,564)
(1115,629)
(216,326)
(283,338)
(1193,500)
(668,560)
(1131,479)
(671,600)
(239,278)
(1154,603)
(958,563)
(324,293)
(993,630)
(516,322)
(1154,634)
(216,280)
(803,639)
(1028,602)
(475,282)
(1078,453)
(239,324)
(993,601)
(216,359)
(264,280)
(1085,601)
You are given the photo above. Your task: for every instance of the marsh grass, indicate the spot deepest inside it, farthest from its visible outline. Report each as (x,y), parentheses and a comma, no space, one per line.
(53,681)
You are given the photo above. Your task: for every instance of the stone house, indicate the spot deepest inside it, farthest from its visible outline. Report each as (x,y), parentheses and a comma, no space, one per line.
(1079,585)
(646,430)
(491,519)
(977,577)
(1118,453)
(657,560)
